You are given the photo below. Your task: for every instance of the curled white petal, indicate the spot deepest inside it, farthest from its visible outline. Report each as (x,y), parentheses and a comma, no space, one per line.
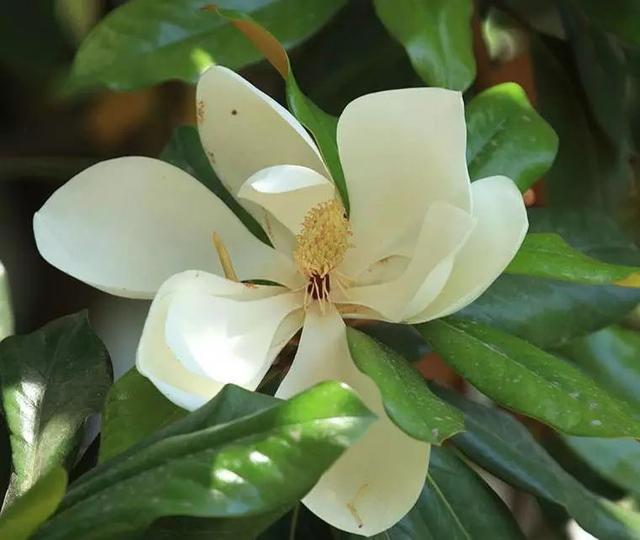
(502,225)
(401,150)
(186,387)
(243,130)
(126,225)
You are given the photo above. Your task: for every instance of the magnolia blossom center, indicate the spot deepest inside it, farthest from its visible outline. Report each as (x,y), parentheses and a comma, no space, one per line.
(321,245)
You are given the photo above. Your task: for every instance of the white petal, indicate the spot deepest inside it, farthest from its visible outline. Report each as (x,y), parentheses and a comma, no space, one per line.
(444,231)
(401,150)
(226,339)
(126,225)
(502,225)
(287,192)
(243,130)
(156,360)
(377,480)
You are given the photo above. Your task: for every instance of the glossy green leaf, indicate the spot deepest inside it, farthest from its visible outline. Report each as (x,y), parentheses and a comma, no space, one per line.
(258,464)
(610,357)
(52,381)
(551,313)
(617,460)
(506,136)
(402,338)
(144,42)
(547,255)
(455,504)
(322,126)
(529,380)
(437,36)
(31,509)
(499,443)
(185,151)
(134,409)
(407,398)
(6,313)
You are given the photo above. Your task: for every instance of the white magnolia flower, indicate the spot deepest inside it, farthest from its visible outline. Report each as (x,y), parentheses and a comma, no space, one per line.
(420,242)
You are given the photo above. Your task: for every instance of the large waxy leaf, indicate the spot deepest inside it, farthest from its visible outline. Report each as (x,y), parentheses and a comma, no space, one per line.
(258,464)
(551,313)
(145,42)
(610,357)
(407,399)
(321,125)
(437,36)
(185,151)
(32,508)
(547,255)
(505,135)
(134,409)
(617,460)
(524,378)
(52,381)
(455,504)
(502,445)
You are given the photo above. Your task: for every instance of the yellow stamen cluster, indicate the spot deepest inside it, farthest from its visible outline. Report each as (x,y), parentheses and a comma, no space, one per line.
(323,239)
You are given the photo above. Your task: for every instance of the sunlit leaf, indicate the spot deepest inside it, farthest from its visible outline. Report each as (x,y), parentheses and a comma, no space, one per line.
(52,381)
(527,379)
(437,36)
(144,42)
(258,464)
(506,136)
(547,255)
(31,509)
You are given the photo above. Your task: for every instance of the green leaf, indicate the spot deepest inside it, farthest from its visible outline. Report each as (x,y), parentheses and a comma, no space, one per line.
(402,338)
(258,464)
(547,255)
(185,151)
(610,357)
(30,510)
(499,443)
(529,380)
(133,410)
(505,135)
(455,504)
(551,313)
(437,36)
(620,17)
(407,399)
(144,42)
(52,381)
(322,126)
(588,172)
(602,69)
(617,460)
(6,313)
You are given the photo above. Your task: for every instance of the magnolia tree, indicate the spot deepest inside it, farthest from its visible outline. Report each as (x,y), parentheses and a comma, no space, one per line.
(355,326)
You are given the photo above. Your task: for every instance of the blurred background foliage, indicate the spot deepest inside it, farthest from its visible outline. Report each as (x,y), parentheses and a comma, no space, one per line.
(577,60)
